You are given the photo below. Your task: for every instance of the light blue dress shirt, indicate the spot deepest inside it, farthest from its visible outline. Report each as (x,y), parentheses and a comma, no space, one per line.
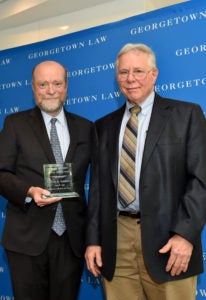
(143,124)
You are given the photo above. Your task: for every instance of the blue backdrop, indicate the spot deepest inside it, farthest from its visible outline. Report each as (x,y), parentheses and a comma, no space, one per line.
(176,34)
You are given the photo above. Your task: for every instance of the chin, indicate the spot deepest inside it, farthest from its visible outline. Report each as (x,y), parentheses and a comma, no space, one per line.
(51,109)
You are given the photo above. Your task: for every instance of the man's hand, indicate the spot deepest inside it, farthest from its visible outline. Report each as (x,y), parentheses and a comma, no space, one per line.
(180,254)
(40,195)
(93,259)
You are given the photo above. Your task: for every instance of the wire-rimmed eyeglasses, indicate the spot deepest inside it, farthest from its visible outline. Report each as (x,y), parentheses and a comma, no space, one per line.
(138,74)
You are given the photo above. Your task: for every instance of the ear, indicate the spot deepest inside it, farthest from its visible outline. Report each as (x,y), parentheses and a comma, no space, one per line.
(155,73)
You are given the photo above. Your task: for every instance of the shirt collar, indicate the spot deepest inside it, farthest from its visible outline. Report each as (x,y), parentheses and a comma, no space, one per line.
(146,105)
(47,118)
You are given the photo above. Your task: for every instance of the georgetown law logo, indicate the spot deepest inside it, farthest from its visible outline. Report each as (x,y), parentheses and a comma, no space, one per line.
(183,84)
(11,85)
(104,96)
(3,215)
(9,110)
(14,84)
(89,70)
(95,282)
(5,62)
(201,293)
(95,41)
(194,49)
(177,20)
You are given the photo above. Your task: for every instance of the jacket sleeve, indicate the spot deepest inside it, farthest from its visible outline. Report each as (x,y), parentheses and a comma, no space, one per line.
(92,234)
(11,186)
(191,213)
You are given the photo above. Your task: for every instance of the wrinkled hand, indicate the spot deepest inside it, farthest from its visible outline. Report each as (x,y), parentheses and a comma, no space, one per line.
(40,195)
(180,254)
(94,259)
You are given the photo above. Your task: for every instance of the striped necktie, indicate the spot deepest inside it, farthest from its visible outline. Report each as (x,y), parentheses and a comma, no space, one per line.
(127,192)
(59,224)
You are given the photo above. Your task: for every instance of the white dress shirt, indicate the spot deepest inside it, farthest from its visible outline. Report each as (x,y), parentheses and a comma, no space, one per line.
(62,131)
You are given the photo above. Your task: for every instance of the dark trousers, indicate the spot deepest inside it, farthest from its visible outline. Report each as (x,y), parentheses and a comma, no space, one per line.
(53,275)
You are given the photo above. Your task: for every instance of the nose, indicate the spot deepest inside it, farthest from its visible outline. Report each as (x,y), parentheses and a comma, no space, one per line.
(130,76)
(51,88)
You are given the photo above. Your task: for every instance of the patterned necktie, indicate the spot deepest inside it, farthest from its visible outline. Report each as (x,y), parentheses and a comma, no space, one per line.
(59,224)
(127,191)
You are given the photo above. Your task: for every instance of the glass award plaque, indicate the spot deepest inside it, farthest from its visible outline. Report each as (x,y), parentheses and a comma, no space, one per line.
(58,179)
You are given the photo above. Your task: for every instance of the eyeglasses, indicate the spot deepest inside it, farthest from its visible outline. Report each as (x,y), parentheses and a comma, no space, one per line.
(136,73)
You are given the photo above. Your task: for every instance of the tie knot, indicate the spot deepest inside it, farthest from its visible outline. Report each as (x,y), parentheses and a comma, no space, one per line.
(135,110)
(53,121)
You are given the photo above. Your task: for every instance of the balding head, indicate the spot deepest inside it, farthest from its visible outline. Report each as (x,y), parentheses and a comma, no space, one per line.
(49,83)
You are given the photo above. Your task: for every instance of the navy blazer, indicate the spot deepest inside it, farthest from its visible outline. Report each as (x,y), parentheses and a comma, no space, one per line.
(172,186)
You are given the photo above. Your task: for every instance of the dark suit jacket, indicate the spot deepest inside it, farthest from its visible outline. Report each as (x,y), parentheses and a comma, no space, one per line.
(24,148)
(172,186)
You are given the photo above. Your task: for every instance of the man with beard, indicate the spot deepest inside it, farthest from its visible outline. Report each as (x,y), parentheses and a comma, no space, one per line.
(44,263)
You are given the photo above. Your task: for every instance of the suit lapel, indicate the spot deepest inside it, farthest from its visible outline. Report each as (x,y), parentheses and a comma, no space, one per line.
(73,132)
(114,124)
(160,115)
(37,124)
